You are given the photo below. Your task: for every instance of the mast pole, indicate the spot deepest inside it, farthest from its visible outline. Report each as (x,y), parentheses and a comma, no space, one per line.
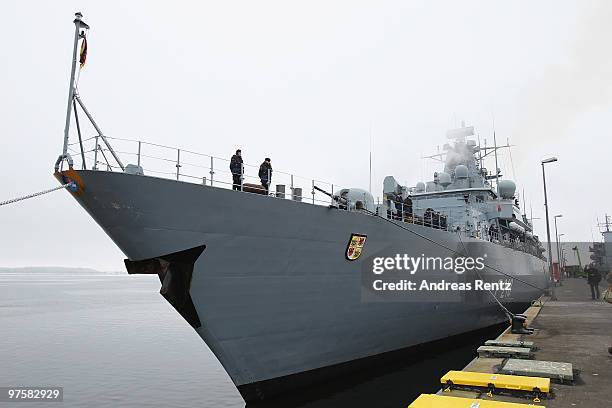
(370,184)
(78,24)
(496,168)
(77,27)
(479,151)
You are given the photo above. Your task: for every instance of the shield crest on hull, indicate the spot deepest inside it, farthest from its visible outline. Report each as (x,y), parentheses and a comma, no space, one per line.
(355,246)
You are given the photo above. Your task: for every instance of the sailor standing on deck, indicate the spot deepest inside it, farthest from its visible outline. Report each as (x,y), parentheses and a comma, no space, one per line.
(593,278)
(265,174)
(236,169)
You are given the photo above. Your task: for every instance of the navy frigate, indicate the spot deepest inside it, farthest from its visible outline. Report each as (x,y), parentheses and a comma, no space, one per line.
(273,283)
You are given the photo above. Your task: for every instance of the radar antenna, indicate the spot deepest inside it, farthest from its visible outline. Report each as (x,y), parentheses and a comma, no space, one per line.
(606,225)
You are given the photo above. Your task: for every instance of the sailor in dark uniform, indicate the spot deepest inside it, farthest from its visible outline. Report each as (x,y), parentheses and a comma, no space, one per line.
(236,169)
(265,174)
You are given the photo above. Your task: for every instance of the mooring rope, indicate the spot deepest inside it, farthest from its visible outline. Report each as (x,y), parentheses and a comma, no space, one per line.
(504,308)
(14,200)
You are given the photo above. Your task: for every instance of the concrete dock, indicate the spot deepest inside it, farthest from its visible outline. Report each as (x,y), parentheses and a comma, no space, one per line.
(574,329)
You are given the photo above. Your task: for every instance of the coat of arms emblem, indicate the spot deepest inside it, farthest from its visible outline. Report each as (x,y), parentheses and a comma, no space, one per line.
(355,246)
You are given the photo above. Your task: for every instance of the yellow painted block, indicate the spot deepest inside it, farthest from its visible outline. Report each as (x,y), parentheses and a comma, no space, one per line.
(509,382)
(443,401)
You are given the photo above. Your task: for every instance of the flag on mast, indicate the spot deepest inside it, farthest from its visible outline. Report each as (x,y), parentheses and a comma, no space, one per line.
(83,54)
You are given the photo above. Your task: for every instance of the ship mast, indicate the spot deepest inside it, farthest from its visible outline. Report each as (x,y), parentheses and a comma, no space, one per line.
(78,25)
(605,225)
(370,184)
(496,168)
(79,33)
(479,153)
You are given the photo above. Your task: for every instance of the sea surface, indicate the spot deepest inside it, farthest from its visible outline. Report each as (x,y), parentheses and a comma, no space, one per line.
(111,340)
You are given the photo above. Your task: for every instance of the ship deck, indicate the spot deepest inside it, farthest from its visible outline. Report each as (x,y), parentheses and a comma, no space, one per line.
(573,329)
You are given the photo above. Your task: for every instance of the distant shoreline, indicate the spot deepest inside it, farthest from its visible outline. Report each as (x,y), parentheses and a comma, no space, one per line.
(57,270)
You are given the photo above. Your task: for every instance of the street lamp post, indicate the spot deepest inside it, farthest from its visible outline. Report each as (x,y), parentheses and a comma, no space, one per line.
(557,245)
(550,267)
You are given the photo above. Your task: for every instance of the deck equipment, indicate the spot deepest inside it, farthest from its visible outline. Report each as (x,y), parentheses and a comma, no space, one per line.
(443,401)
(561,372)
(510,343)
(497,384)
(504,352)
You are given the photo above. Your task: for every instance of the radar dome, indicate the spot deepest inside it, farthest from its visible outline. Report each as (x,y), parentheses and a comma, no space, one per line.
(506,188)
(461,171)
(444,179)
(420,187)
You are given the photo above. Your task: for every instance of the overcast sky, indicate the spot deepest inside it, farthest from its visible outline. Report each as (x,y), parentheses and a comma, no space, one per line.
(305,83)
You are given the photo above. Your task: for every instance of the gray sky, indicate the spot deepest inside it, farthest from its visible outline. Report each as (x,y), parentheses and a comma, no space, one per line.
(303,83)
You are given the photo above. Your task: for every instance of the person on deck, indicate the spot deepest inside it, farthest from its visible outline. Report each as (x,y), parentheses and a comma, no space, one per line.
(236,169)
(593,278)
(265,174)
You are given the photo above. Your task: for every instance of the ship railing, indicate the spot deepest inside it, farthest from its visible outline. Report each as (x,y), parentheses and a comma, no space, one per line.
(190,166)
(443,218)
(452,219)
(514,243)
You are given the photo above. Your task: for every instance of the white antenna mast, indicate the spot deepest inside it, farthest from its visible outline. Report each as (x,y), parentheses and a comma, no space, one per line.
(370,189)
(496,168)
(479,152)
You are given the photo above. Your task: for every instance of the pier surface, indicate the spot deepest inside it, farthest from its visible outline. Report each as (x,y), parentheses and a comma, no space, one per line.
(574,329)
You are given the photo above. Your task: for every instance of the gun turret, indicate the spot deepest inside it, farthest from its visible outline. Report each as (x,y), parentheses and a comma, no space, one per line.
(336,198)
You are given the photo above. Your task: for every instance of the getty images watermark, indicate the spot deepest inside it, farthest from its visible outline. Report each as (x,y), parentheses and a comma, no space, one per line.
(431,278)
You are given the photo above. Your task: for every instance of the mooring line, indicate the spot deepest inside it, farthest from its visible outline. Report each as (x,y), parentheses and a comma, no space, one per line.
(17,199)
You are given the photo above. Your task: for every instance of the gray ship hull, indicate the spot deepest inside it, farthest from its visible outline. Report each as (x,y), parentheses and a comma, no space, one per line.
(273,292)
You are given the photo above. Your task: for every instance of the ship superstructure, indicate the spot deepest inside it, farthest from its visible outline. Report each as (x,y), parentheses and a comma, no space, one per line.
(462,198)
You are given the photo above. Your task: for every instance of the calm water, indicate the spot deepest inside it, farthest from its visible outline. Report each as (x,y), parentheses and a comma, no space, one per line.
(112,340)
